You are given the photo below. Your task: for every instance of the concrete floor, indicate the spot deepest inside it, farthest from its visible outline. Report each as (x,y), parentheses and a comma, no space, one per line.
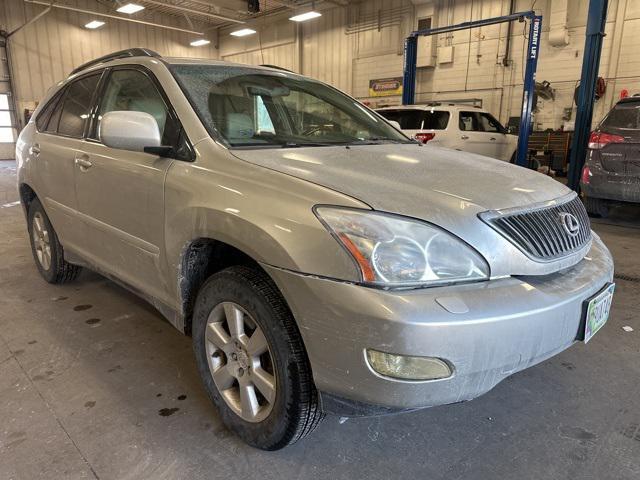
(95,384)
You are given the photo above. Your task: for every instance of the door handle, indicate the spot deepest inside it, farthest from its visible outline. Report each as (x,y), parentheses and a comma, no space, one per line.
(464,137)
(493,139)
(83,162)
(35,150)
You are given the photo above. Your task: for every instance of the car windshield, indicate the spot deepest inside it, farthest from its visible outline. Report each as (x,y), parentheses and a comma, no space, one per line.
(624,116)
(250,107)
(410,119)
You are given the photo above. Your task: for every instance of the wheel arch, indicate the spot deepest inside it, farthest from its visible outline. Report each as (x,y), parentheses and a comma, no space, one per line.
(27,196)
(201,258)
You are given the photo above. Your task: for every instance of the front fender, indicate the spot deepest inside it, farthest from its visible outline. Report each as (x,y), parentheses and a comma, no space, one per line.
(265,214)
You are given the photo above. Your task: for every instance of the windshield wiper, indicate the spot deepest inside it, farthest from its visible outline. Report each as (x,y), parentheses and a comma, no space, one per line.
(378,141)
(307,144)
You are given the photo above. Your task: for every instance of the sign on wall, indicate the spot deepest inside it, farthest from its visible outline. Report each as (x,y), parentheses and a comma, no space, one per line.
(384,87)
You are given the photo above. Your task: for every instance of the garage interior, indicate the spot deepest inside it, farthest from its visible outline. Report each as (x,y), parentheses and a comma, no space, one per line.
(95,383)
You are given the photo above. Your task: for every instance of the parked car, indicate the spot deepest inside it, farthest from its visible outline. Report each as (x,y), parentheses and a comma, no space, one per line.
(321,261)
(612,168)
(460,127)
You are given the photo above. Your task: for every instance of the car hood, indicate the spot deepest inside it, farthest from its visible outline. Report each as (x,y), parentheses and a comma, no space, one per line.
(406,178)
(446,187)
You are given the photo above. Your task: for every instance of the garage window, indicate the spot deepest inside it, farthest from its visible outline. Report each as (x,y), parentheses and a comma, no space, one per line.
(7,132)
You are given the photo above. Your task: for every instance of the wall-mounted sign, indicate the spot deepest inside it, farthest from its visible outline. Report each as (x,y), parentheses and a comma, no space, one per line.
(384,87)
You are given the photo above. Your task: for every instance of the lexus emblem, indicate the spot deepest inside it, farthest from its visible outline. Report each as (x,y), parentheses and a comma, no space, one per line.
(570,223)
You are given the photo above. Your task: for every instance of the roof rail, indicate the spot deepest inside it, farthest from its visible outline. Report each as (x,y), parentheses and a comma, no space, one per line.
(277,68)
(129,52)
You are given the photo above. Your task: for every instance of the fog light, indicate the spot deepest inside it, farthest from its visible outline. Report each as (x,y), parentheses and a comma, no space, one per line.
(408,368)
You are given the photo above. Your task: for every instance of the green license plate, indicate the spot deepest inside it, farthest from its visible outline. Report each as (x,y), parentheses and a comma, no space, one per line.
(597,312)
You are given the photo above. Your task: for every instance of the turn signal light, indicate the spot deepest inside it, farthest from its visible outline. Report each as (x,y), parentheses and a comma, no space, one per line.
(598,140)
(424,137)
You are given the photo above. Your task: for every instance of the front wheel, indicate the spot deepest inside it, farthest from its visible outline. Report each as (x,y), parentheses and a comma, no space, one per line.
(252,360)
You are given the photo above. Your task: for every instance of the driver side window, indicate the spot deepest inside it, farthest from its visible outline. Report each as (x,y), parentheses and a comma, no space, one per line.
(132,90)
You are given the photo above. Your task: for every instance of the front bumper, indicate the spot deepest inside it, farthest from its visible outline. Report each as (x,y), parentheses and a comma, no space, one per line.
(509,324)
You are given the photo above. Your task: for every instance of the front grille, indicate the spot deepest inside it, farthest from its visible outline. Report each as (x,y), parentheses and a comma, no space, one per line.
(544,232)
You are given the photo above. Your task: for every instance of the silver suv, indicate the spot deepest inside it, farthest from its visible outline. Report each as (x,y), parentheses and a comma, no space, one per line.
(320,260)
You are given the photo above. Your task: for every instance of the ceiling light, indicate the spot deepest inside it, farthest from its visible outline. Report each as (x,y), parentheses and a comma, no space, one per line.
(199,43)
(93,24)
(130,8)
(303,17)
(243,32)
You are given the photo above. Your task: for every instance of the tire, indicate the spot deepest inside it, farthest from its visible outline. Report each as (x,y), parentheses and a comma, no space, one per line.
(596,206)
(284,413)
(46,248)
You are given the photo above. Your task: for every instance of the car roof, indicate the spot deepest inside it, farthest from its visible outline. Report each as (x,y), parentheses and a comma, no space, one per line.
(632,99)
(143,55)
(435,107)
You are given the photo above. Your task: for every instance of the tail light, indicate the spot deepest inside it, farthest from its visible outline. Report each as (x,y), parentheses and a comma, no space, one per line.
(598,140)
(424,137)
(586,175)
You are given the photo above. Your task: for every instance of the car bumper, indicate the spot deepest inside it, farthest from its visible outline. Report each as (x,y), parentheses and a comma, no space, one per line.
(509,324)
(622,188)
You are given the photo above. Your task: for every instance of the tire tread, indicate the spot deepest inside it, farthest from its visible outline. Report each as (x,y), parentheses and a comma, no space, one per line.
(309,414)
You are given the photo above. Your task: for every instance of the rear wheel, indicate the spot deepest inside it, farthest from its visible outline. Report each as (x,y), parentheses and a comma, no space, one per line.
(252,360)
(596,206)
(46,248)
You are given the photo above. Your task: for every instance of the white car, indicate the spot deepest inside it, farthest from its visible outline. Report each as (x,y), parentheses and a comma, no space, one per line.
(460,127)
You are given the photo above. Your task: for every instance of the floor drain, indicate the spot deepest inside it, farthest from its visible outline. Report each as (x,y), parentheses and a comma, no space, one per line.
(628,278)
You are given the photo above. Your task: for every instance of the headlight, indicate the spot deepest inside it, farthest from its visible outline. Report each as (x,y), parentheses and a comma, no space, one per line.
(396,251)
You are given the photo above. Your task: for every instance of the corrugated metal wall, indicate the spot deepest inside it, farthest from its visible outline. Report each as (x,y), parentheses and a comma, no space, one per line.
(326,51)
(44,52)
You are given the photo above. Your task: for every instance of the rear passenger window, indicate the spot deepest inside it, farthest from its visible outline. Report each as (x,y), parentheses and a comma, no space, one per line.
(77,104)
(435,120)
(45,114)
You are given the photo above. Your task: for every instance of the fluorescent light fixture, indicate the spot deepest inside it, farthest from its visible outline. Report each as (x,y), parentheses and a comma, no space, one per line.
(200,42)
(303,17)
(243,32)
(93,24)
(130,8)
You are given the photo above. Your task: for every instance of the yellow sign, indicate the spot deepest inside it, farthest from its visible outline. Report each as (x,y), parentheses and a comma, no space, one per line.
(385,87)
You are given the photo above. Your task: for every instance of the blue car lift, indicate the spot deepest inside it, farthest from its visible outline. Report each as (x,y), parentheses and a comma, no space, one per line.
(596,21)
(535,30)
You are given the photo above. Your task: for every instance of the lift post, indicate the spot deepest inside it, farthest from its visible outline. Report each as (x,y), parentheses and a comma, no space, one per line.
(596,21)
(535,28)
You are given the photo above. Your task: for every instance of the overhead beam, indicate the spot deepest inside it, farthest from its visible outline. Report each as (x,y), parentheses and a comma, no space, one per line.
(33,20)
(115,17)
(192,11)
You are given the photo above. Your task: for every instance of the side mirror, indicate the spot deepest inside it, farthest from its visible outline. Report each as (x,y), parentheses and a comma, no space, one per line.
(127,130)
(395,124)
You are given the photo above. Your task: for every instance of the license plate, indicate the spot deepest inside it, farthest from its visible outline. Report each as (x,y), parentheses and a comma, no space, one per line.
(597,312)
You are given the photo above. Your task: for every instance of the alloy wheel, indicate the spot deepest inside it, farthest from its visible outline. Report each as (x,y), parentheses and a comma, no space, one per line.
(240,362)
(41,241)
